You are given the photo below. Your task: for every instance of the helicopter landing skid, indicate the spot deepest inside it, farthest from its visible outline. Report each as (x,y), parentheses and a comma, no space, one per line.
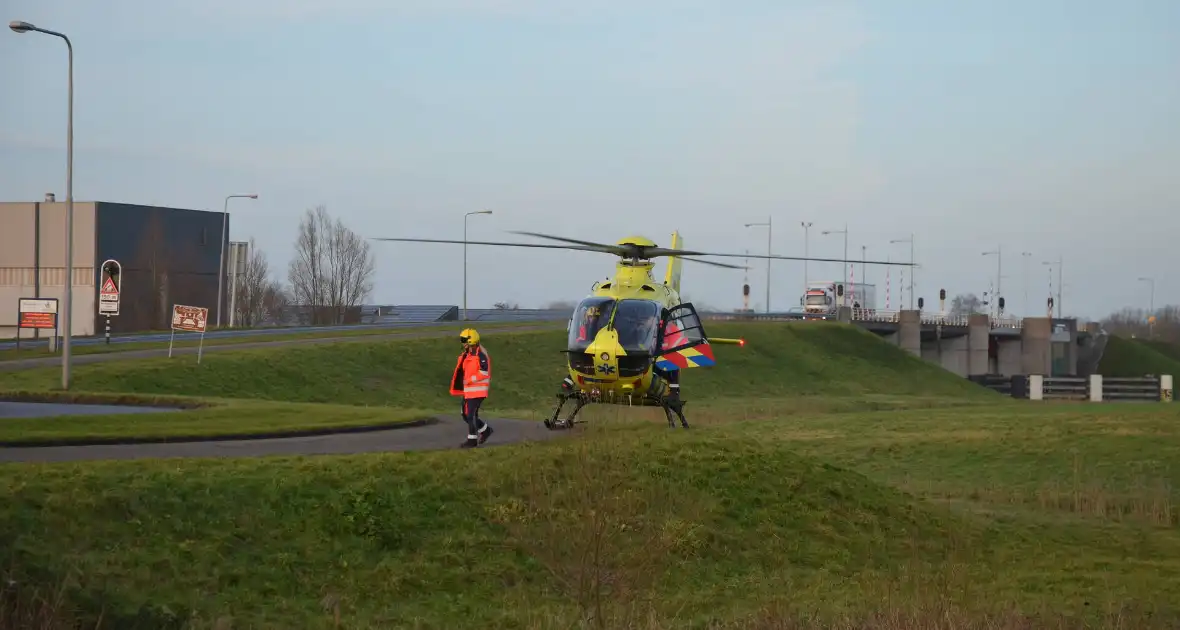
(568,423)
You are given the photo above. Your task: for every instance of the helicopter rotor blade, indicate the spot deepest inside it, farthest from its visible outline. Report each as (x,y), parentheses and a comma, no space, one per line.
(807,258)
(714,264)
(614,249)
(492,243)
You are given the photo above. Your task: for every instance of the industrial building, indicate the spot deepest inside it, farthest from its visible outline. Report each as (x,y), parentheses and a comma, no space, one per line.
(168,256)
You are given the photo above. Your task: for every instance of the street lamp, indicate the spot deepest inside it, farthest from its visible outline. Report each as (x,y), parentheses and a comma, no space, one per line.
(806,237)
(465,257)
(221,246)
(909,240)
(999,274)
(67,327)
(769,229)
(1150,308)
(845,260)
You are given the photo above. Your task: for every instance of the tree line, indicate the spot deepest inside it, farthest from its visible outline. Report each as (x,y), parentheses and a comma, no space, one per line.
(327,280)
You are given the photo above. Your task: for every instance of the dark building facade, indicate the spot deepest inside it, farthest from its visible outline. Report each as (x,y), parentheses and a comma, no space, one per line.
(168,256)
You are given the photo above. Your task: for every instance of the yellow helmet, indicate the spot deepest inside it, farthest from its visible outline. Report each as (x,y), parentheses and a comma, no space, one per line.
(469,337)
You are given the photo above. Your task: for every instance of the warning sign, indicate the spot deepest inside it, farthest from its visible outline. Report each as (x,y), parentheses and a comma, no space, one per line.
(108,292)
(189,318)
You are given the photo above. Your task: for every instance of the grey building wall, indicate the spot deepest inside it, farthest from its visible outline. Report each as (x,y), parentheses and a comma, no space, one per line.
(168,255)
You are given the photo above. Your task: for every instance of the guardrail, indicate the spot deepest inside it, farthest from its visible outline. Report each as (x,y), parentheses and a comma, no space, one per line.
(1094,388)
(869,315)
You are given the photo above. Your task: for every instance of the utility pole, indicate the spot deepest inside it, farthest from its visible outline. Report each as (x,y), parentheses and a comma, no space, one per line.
(806,238)
(909,240)
(1026,256)
(465,257)
(844,260)
(1059,286)
(769,227)
(999,272)
(1150,308)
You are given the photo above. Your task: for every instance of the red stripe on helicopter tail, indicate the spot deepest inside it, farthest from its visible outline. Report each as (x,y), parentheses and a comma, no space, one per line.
(706,350)
(675,358)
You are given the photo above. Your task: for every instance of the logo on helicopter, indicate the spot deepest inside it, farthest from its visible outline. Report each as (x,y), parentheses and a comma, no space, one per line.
(606,369)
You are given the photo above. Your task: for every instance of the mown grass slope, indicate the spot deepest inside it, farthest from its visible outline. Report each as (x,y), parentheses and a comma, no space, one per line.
(779,360)
(629,525)
(1133,357)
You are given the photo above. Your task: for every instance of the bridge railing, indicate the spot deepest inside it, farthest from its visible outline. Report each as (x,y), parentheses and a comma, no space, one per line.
(929,318)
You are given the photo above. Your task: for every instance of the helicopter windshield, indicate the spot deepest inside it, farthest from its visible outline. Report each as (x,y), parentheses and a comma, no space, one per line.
(637,322)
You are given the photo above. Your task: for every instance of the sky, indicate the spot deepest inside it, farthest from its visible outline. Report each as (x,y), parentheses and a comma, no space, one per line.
(1045,127)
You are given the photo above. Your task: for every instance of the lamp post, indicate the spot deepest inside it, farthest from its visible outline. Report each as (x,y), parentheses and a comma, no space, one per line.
(769,228)
(221,246)
(67,326)
(465,257)
(1150,308)
(806,237)
(909,240)
(999,273)
(845,259)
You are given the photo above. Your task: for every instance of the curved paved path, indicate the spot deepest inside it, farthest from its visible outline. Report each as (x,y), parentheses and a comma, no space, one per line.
(447,433)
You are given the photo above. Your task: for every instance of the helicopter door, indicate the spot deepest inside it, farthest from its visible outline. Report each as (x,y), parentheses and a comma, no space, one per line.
(683,343)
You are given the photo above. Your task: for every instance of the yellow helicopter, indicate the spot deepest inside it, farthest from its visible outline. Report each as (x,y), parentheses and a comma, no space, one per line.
(630,338)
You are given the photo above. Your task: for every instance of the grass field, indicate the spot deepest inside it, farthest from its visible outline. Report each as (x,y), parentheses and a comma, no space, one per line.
(189,340)
(827,474)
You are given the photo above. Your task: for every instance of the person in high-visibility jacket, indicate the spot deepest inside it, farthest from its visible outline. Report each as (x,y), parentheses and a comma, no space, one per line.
(472,380)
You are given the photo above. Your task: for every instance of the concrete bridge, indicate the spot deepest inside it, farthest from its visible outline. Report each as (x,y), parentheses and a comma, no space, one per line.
(966,345)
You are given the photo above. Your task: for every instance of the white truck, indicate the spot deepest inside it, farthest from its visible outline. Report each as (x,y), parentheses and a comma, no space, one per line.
(824,296)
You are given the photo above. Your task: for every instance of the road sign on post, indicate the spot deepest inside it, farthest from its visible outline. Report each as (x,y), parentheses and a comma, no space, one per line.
(110,287)
(189,319)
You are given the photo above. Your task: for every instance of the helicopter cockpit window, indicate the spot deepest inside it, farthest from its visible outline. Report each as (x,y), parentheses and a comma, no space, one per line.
(638,323)
(591,316)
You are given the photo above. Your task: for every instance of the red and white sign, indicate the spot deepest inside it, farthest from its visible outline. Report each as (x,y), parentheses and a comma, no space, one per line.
(108,298)
(37,313)
(189,318)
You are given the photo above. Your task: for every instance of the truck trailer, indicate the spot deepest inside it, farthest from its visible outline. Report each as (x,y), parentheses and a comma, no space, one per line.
(823,297)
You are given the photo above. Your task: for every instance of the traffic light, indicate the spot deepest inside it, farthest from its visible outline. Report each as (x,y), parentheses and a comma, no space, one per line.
(920,303)
(111,269)
(840,290)
(942,294)
(1001,304)
(745,289)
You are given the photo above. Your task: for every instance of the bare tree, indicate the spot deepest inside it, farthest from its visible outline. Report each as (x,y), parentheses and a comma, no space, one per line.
(276,301)
(332,271)
(966,304)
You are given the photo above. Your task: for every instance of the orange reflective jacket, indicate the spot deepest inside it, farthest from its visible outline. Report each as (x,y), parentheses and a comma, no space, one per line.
(473,374)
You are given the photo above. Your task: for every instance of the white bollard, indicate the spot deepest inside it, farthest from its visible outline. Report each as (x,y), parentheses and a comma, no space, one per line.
(1095,388)
(1166,387)
(1036,387)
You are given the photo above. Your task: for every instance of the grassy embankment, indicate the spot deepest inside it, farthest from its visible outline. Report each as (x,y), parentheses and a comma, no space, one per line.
(814,366)
(191,340)
(821,479)
(1136,357)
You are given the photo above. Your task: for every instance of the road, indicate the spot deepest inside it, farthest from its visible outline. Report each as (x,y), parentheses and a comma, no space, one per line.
(82,359)
(447,433)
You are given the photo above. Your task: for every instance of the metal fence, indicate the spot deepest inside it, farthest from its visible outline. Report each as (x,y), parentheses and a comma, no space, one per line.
(1093,388)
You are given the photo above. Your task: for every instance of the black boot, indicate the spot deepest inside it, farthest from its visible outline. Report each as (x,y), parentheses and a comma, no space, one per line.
(485,434)
(470,443)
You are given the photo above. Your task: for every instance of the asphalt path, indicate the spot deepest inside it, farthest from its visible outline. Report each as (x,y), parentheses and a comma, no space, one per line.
(447,433)
(82,359)
(48,410)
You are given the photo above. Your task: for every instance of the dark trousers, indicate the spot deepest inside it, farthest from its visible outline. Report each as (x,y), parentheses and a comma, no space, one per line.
(475,424)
